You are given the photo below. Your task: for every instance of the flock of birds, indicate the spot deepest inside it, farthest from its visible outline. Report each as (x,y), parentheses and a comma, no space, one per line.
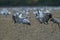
(43,15)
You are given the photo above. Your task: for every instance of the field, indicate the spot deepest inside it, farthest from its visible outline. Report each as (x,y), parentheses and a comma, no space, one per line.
(35,31)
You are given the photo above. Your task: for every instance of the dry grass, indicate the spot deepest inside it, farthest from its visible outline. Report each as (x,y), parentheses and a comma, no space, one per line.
(37,31)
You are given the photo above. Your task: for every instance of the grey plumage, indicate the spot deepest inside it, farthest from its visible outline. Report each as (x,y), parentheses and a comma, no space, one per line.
(55,20)
(16,19)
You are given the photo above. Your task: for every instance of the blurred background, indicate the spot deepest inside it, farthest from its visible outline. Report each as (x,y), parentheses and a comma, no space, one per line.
(29,2)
